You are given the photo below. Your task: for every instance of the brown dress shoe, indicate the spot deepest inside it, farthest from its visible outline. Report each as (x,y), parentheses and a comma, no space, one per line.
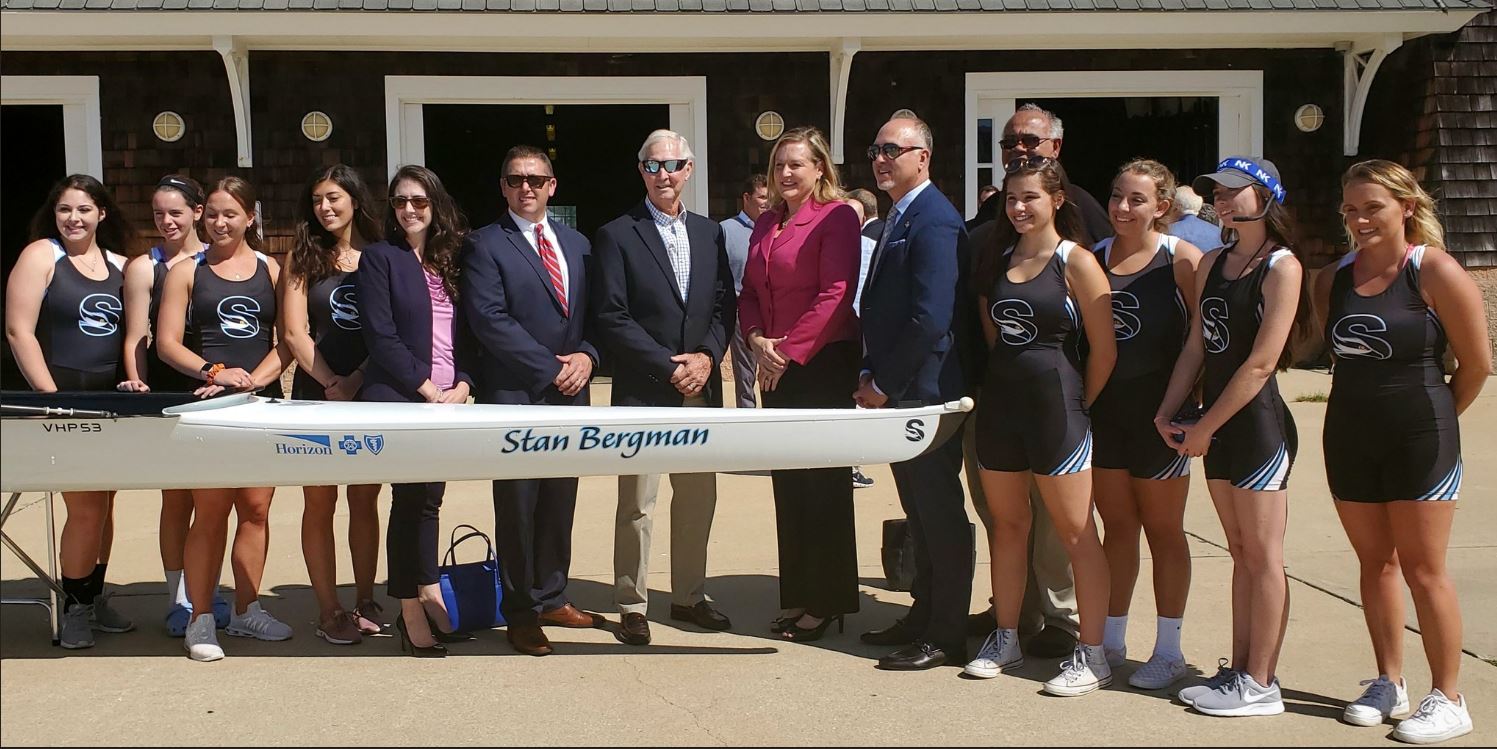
(528,639)
(570,616)
(634,629)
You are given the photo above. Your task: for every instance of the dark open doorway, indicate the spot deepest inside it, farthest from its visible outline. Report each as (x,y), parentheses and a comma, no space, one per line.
(1103,133)
(594,149)
(34,156)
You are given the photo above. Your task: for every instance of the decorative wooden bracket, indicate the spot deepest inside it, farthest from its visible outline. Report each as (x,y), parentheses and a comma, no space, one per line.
(841,70)
(236,64)
(1360,63)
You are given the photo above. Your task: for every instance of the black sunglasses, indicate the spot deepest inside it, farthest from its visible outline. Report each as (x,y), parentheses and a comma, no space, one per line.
(891,151)
(536,181)
(1032,161)
(419,202)
(1011,142)
(653,166)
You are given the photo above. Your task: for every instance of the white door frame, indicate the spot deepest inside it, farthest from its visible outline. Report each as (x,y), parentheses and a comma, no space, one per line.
(997,95)
(78,95)
(405,130)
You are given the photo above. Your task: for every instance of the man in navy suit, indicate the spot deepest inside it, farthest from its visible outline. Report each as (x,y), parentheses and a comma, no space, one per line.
(524,288)
(664,304)
(914,312)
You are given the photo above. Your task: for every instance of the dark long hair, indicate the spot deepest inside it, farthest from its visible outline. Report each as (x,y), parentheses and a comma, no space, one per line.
(1283,232)
(114,232)
(315,255)
(444,236)
(243,193)
(989,261)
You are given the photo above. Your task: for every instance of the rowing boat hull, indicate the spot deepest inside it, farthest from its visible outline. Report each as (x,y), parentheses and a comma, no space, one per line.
(252,441)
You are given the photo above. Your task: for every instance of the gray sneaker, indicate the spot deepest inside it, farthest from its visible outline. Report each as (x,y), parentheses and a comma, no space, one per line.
(1224,674)
(75,633)
(106,619)
(1241,697)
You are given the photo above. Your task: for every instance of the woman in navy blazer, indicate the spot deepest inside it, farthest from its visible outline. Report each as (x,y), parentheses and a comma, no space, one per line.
(406,289)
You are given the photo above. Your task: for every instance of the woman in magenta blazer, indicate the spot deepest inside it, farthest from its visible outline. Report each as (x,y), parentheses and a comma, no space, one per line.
(796,314)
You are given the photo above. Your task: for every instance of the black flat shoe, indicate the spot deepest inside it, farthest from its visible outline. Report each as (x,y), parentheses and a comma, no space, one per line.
(917,657)
(893,635)
(796,633)
(702,615)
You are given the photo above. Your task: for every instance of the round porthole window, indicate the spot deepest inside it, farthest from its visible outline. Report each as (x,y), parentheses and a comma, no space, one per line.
(769,125)
(317,126)
(169,127)
(1309,118)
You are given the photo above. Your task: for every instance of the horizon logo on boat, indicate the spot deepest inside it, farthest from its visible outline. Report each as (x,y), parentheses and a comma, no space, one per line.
(310,444)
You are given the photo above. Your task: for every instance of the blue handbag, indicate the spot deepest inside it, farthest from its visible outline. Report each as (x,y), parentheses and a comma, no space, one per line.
(471,591)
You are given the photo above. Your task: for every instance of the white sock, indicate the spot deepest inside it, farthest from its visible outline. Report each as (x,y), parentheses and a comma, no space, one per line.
(1115,633)
(1167,640)
(176,587)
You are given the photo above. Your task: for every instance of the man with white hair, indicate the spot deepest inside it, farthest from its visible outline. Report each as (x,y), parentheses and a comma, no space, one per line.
(664,308)
(1190,226)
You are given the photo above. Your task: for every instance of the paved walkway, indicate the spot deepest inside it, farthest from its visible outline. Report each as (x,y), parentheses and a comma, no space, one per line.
(741,687)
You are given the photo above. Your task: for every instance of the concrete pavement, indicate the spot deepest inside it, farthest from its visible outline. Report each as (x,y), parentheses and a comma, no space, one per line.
(693,687)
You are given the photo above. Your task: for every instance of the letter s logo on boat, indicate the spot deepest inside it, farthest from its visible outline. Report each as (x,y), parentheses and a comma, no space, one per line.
(913,430)
(238,317)
(99,315)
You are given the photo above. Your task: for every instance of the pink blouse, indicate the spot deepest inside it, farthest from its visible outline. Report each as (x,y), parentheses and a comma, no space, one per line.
(443,372)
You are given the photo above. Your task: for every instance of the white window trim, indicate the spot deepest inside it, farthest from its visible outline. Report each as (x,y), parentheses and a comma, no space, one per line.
(405,130)
(78,95)
(998,95)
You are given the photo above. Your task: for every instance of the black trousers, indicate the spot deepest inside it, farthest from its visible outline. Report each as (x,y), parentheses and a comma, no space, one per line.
(813,507)
(533,533)
(412,537)
(930,490)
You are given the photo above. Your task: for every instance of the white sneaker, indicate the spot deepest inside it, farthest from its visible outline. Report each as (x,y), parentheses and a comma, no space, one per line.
(202,640)
(1160,672)
(1116,658)
(1381,700)
(1437,719)
(1224,674)
(258,623)
(1241,697)
(999,653)
(1085,672)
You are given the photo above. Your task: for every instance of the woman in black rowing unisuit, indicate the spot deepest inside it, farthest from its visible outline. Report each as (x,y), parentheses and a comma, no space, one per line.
(1392,436)
(322,325)
(217,323)
(64,319)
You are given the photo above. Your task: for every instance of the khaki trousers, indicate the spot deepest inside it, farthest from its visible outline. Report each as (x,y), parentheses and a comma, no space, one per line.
(1050,590)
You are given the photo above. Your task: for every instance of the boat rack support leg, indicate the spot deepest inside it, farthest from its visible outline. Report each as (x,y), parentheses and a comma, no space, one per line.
(55,595)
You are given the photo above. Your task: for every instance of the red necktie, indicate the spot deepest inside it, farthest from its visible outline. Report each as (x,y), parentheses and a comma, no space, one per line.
(553,266)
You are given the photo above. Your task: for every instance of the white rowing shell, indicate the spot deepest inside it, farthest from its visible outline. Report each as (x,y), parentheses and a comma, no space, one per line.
(252,441)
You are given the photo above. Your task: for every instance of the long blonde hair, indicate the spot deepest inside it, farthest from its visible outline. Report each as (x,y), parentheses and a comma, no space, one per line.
(1421,228)
(829,188)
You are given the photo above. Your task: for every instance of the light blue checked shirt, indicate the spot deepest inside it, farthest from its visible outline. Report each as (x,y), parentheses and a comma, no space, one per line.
(677,246)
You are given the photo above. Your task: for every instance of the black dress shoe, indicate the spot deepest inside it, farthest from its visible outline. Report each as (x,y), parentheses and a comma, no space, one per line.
(1051,642)
(702,615)
(917,657)
(633,630)
(893,635)
(981,625)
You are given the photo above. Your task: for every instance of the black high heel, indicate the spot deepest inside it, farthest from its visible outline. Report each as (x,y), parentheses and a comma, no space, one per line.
(447,637)
(406,646)
(797,633)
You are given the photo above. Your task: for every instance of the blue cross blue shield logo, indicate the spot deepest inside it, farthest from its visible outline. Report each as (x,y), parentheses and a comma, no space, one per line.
(375,442)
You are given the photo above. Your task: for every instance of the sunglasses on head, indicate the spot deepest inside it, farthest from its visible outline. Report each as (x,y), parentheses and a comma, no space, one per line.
(1010,142)
(536,181)
(419,202)
(1032,161)
(891,151)
(653,166)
